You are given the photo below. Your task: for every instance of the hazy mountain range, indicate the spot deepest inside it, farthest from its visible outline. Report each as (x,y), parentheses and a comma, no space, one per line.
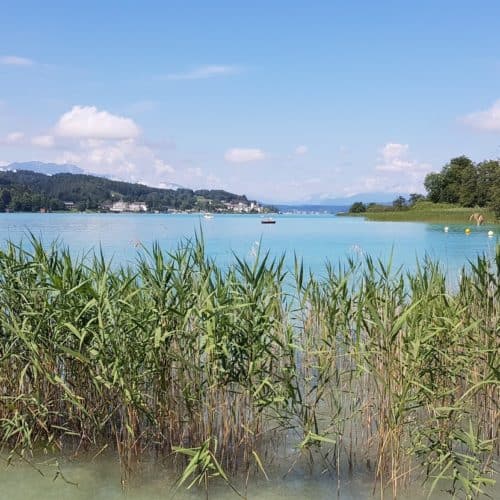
(45,168)
(319,200)
(376,197)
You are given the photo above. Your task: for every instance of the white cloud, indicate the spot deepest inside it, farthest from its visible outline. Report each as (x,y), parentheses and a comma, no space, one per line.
(301,150)
(87,122)
(244,155)
(123,159)
(394,159)
(43,141)
(16,61)
(396,173)
(13,138)
(203,72)
(488,119)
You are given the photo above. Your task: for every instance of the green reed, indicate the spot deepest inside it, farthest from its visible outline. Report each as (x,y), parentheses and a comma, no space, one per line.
(215,370)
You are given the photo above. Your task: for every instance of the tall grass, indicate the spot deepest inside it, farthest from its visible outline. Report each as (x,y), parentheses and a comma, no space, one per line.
(215,369)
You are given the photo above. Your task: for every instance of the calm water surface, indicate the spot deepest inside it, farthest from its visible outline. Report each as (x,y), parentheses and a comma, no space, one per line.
(315,238)
(101,481)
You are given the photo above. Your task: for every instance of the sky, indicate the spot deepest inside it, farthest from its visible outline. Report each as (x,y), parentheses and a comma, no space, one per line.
(284,101)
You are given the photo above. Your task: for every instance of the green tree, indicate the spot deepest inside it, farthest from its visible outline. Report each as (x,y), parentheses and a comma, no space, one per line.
(414,198)
(399,203)
(357,208)
(488,177)
(459,181)
(433,184)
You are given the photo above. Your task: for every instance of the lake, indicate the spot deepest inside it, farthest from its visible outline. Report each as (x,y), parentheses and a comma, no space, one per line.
(315,238)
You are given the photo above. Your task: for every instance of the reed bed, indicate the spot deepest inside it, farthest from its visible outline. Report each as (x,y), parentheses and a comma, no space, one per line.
(214,370)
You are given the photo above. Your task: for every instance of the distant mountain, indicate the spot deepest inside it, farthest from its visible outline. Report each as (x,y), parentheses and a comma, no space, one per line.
(312,209)
(45,168)
(376,197)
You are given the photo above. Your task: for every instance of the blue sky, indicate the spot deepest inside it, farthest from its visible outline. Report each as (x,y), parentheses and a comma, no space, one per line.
(280,100)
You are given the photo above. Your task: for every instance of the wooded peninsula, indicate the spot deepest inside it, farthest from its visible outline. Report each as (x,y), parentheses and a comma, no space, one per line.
(26,191)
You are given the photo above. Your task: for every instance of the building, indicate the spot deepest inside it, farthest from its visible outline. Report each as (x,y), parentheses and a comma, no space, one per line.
(124,206)
(242,207)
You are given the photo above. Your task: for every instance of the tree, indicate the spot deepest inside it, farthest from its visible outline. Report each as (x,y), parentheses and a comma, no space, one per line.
(414,198)
(357,208)
(433,184)
(488,176)
(459,181)
(399,203)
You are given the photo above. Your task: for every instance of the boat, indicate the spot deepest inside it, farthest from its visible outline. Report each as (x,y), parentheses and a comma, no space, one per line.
(208,216)
(268,220)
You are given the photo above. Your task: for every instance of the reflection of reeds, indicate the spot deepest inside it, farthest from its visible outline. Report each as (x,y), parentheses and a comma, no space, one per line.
(366,367)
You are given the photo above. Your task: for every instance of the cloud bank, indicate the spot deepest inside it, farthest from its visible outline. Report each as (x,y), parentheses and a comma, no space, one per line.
(488,120)
(87,122)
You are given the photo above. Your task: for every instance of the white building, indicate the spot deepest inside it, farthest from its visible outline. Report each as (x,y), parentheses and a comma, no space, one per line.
(123,206)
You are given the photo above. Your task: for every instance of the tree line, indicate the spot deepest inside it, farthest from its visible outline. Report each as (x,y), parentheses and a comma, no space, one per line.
(461,182)
(28,191)
(468,184)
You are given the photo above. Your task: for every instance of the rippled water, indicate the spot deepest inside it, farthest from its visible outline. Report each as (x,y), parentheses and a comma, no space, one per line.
(314,238)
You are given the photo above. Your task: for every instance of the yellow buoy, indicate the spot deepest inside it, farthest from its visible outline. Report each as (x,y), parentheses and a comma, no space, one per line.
(467,231)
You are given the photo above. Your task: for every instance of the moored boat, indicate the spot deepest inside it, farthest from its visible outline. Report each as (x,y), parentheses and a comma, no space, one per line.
(268,220)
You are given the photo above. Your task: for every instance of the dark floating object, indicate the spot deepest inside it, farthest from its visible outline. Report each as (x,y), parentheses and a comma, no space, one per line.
(268,220)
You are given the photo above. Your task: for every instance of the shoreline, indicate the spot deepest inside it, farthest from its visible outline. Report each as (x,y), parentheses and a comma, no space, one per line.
(430,214)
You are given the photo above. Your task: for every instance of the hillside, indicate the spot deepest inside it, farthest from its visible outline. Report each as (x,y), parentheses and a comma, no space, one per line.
(30,191)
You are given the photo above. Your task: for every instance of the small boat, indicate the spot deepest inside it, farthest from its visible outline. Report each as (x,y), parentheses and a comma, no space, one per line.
(208,216)
(268,220)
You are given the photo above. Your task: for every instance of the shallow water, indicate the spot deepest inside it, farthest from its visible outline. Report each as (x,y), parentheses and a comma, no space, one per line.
(101,481)
(315,238)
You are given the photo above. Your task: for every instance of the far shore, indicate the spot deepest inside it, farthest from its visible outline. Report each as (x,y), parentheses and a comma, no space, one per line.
(427,212)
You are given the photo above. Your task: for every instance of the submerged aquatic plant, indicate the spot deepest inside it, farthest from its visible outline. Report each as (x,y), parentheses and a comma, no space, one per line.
(216,369)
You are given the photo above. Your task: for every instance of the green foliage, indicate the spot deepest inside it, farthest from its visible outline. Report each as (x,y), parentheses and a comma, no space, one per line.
(399,203)
(415,198)
(28,191)
(463,182)
(357,208)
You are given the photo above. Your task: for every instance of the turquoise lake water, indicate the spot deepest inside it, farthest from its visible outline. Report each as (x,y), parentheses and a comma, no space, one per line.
(315,238)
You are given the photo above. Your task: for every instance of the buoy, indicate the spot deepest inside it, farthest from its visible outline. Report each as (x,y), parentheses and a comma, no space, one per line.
(467,231)
(446,228)
(490,234)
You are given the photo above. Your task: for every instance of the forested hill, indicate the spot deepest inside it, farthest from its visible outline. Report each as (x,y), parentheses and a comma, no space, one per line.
(24,190)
